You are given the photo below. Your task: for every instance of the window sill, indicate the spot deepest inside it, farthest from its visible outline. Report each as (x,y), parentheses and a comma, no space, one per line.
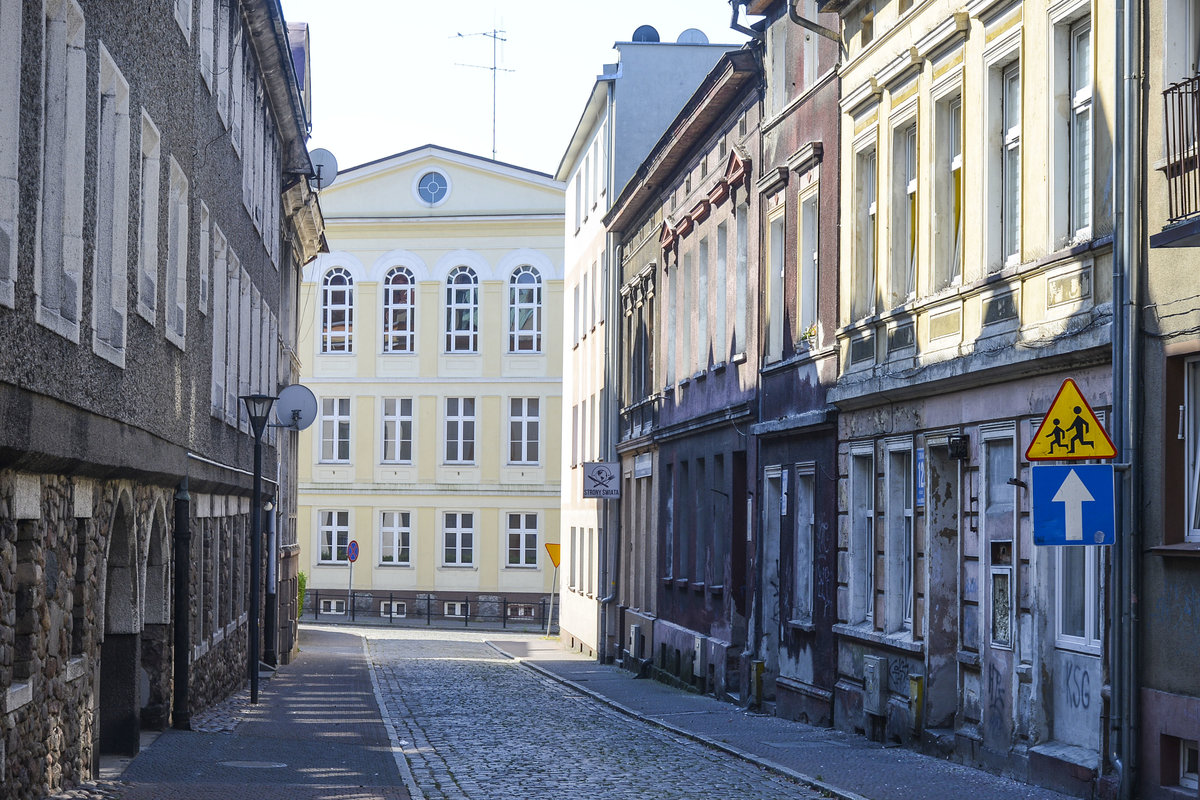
(335,463)
(530,567)
(806,626)
(681,583)
(18,695)
(458,567)
(1179,550)
(716,590)
(394,463)
(902,641)
(394,566)
(333,563)
(698,587)
(967,658)
(740,358)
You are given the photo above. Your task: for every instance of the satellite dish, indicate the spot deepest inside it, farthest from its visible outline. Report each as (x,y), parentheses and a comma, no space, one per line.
(325,167)
(692,36)
(645,33)
(296,407)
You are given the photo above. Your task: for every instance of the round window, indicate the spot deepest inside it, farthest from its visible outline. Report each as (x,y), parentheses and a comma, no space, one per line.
(432,187)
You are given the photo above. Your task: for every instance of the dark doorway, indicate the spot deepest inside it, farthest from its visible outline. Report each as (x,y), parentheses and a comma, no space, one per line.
(121,650)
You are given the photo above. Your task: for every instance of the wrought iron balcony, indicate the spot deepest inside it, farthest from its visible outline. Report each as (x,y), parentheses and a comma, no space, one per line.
(1181,109)
(640,418)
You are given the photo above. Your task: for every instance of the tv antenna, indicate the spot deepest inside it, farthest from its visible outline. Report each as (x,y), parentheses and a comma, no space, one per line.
(496,36)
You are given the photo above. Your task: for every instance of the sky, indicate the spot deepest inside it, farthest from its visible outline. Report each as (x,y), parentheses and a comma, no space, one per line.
(386,74)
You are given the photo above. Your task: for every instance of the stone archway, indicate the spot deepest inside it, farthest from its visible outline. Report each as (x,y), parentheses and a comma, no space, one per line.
(155,680)
(120,650)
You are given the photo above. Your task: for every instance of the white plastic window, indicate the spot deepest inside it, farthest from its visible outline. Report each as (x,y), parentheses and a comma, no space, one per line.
(462,311)
(460,430)
(337,311)
(394,538)
(525,311)
(399,305)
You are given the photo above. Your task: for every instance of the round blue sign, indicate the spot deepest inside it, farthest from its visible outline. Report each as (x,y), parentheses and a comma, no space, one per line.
(352,551)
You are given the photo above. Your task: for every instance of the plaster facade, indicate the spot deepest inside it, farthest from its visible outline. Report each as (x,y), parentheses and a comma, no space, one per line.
(437,371)
(976,262)
(629,106)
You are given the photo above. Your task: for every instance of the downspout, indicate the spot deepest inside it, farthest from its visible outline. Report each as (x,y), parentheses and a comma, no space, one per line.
(815,27)
(1126,400)
(181,717)
(608,574)
(612,522)
(740,28)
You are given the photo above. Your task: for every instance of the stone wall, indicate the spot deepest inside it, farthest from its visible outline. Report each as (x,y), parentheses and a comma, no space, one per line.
(63,579)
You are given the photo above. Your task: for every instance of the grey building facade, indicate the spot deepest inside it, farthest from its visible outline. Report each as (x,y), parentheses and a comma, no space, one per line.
(154,210)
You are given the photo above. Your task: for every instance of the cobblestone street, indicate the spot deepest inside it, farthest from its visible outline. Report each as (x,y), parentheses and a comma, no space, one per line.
(475,724)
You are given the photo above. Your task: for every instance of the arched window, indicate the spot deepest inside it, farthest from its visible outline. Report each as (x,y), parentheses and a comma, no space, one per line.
(462,311)
(337,311)
(398,305)
(525,311)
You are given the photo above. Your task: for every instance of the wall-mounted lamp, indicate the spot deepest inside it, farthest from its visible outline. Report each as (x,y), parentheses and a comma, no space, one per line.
(960,446)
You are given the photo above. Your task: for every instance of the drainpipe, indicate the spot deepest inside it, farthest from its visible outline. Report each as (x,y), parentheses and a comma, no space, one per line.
(812,25)
(183,575)
(1126,399)
(740,28)
(271,623)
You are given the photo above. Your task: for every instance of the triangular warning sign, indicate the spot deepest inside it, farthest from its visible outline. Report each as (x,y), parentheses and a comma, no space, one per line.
(1070,430)
(552,551)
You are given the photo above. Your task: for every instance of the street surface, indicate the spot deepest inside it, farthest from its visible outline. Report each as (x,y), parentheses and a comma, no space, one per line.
(476,724)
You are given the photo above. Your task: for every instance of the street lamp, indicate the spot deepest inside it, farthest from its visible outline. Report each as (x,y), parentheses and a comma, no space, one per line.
(258,406)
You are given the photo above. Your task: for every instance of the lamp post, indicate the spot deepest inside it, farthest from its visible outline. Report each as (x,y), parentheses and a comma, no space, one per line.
(258,406)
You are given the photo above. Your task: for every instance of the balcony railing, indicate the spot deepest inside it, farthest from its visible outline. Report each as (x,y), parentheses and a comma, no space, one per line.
(1181,110)
(640,418)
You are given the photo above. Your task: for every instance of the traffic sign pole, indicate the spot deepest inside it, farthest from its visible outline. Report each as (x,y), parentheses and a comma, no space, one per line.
(352,555)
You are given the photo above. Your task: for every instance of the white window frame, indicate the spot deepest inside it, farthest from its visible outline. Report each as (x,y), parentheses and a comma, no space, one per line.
(59,250)
(948,188)
(460,339)
(702,299)
(183,15)
(207,38)
(899,537)
(804,546)
(10,145)
(333,536)
(147,304)
(397,430)
(395,538)
(741,315)
(1004,186)
(525,310)
(175,313)
(337,302)
(905,214)
(454,608)
(391,609)
(776,266)
(524,430)
(111,262)
(522,537)
(720,297)
(1189,757)
(458,539)
(205,258)
(460,429)
(866,232)
(336,606)
(861,500)
(1092,611)
(808,255)
(399,311)
(220,317)
(336,439)
(1191,431)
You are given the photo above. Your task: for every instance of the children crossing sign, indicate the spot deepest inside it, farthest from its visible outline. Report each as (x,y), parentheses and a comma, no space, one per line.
(1070,430)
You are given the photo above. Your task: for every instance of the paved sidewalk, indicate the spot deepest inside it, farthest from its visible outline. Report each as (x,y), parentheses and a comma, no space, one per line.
(841,764)
(316,733)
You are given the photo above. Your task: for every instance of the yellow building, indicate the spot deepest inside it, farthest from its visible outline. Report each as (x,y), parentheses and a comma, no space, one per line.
(976,263)
(430,335)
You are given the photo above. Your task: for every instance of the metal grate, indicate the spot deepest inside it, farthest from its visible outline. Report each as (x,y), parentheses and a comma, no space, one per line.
(1181,109)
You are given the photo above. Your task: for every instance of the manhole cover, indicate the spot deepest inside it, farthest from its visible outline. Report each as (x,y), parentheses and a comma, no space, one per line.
(254,764)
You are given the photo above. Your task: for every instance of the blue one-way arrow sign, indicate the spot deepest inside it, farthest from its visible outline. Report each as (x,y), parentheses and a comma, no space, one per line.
(1073,504)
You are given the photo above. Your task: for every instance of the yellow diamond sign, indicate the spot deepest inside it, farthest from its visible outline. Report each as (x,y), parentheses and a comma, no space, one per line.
(552,551)
(1070,430)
